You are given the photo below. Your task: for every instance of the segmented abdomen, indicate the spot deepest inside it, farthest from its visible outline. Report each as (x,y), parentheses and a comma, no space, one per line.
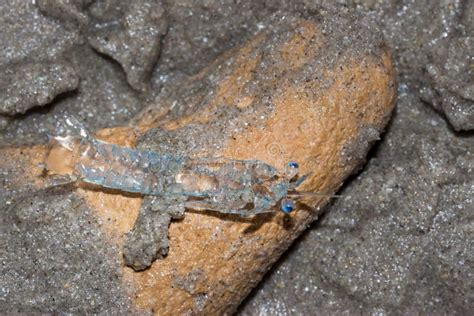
(126,169)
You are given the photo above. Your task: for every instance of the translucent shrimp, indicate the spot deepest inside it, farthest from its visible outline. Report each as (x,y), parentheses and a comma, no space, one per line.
(243,187)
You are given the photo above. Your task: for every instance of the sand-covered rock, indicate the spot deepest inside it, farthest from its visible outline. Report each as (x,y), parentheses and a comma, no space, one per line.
(27,85)
(132,38)
(308,88)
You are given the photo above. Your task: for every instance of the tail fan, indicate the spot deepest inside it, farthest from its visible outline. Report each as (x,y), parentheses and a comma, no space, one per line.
(70,131)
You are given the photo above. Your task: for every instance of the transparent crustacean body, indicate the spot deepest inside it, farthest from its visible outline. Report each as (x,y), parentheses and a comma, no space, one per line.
(244,187)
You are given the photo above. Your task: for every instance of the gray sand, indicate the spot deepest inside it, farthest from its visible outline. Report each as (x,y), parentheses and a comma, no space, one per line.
(400,240)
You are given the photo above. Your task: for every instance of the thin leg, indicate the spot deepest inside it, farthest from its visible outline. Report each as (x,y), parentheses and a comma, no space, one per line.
(60,180)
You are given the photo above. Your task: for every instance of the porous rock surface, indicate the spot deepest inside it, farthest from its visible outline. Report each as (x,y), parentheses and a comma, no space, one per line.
(401,238)
(306,88)
(398,241)
(432,47)
(237,94)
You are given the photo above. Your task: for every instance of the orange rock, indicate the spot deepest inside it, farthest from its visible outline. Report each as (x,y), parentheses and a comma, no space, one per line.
(294,92)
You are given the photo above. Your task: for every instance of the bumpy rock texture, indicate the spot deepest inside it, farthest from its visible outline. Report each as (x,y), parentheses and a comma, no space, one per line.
(28,85)
(241,96)
(400,239)
(432,45)
(342,264)
(135,43)
(71,13)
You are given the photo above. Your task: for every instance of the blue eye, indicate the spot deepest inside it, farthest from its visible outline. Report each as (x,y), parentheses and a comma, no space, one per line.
(287,205)
(293,164)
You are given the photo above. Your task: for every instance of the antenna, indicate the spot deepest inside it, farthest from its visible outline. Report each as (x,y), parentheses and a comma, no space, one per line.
(302,194)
